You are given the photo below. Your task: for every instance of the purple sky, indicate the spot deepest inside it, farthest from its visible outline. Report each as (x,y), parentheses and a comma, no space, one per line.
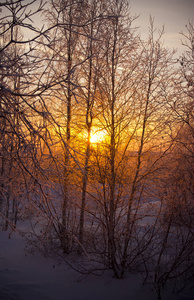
(173,14)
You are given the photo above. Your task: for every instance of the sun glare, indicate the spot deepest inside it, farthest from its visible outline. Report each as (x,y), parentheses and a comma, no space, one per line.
(97,136)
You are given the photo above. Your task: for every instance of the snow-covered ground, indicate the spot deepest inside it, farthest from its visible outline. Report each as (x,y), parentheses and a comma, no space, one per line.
(33,277)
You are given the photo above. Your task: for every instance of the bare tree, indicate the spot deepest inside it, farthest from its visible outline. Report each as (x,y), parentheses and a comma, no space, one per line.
(117,45)
(90,72)
(172,261)
(123,199)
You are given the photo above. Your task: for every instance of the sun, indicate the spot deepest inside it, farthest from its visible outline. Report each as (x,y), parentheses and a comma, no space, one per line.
(97,136)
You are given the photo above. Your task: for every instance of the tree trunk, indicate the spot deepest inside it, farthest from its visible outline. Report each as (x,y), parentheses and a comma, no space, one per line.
(65,240)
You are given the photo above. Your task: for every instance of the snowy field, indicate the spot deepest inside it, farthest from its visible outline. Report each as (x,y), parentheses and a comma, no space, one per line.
(33,277)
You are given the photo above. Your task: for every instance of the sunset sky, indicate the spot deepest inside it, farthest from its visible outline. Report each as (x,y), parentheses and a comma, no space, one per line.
(173,14)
